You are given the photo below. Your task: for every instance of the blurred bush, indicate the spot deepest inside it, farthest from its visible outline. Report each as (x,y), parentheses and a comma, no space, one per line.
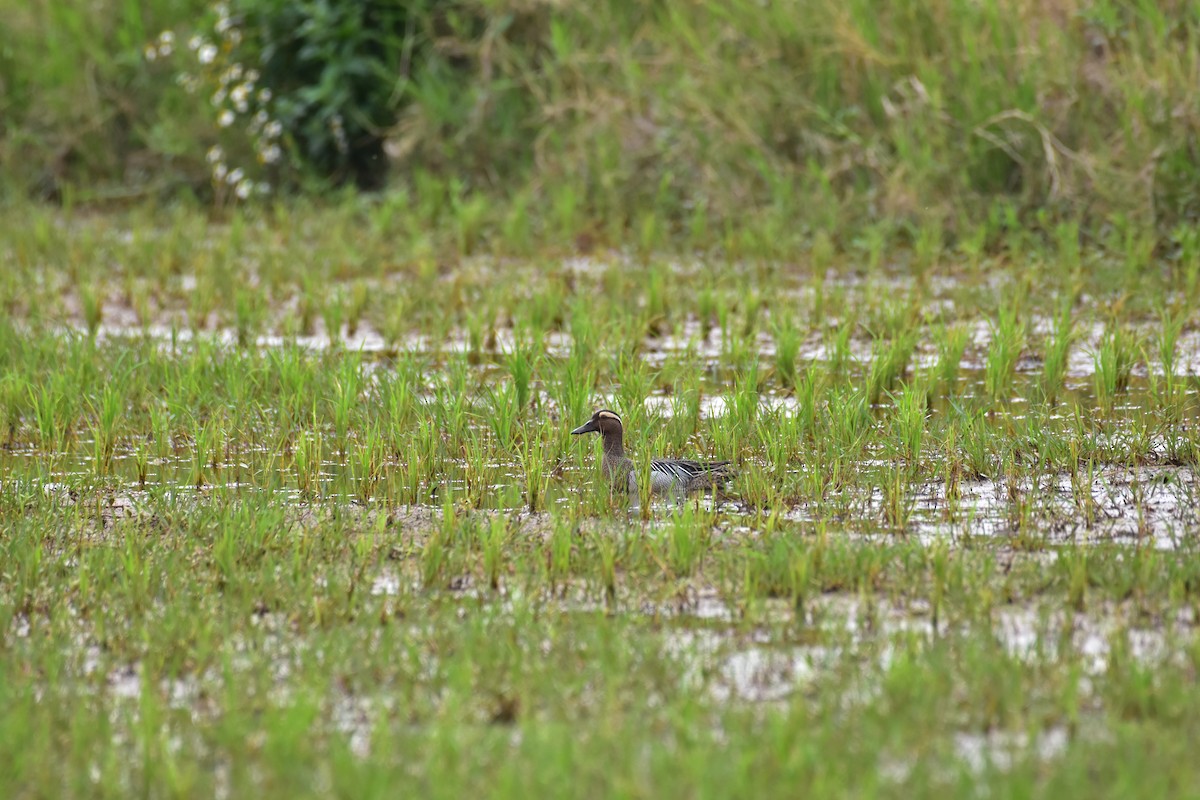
(617,116)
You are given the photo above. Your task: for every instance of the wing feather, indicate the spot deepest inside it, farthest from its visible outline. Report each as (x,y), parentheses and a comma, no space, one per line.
(686,470)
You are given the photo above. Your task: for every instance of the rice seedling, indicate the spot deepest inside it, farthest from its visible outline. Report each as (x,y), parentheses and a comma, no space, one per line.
(744,402)
(1113,359)
(928,248)
(686,541)
(1166,387)
(787,349)
(1004,348)
(1067,245)
(434,551)
(533,461)
(51,409)
(606,547)
(247,315)
(952,344)
(333,316)
(910,423)
(495,541)
(521,367)
(837,346)
(92,305)
(307,463)
(896,502)
(890,362)
(366,468)
(1055,351)
(560,550)
(104,429)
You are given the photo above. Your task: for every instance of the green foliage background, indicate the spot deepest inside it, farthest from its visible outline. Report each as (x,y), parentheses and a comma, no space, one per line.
(826,115)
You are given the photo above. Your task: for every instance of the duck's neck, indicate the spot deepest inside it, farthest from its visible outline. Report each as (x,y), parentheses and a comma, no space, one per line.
(614,444)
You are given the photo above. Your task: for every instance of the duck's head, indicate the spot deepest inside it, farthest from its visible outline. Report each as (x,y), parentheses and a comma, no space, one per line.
(604,422)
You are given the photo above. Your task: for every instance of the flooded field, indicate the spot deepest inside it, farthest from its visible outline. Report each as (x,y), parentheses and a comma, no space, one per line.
(286,517)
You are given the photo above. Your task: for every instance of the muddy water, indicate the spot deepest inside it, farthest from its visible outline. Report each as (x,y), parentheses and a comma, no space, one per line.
(1155,503)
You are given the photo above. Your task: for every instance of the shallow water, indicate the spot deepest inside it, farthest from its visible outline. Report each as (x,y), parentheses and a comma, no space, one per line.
(765,659)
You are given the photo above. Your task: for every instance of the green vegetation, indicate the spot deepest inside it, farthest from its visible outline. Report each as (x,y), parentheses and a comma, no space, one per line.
(287,509)
(288,501)
(816,125)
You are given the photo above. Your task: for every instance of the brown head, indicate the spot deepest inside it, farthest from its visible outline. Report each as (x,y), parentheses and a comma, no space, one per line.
(604,422)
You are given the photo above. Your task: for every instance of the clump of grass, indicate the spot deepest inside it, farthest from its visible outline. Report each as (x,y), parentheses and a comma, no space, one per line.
(533,460)
(205,453)
(1055,351)
(1166,387)
(434,555)
(687,541)
(333,314)
(838,345)
(366,467)
(91,302)
(890,362)
(787,348)
(1066,242)
(307,462)
(634,387)
(345,399)
(105,431)
(521,365)
(1114,360)
(897,500)
(927,247)
(910,422)
(807,392)
(1008,339)
(496,538)
(974,440)
(248,315)
(952,344)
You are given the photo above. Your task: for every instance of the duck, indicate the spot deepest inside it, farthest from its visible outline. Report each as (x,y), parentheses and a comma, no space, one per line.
(668,476)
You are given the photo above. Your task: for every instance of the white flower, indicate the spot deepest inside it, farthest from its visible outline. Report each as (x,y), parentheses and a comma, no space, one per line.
(239,95)
(225,118)
(219,172)
(236,175)
(207,53)
(215,154)
(223,24)
(151,52)
(270,154)
(218,97)
(244,188)
(273,129)
(166,43)
(252,76)
(264,95)
(194,43)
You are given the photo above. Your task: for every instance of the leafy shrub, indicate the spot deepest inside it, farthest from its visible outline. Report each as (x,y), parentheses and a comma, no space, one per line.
(313,84)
